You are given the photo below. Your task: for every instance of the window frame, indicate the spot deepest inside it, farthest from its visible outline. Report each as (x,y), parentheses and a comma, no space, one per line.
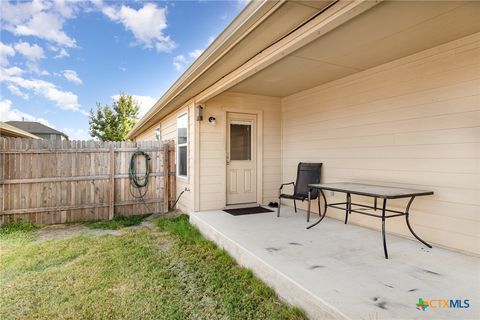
(186,144)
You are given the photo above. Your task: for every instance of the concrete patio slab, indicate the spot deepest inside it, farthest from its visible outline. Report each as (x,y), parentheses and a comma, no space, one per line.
(337,271)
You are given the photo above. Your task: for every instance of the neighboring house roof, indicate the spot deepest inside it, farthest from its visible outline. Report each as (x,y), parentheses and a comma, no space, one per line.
(35,127)
(11,131)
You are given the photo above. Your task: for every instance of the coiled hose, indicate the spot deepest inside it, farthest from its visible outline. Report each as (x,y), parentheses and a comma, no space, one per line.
(139,182)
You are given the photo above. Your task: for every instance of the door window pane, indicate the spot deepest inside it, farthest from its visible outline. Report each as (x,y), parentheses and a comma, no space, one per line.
(240,140)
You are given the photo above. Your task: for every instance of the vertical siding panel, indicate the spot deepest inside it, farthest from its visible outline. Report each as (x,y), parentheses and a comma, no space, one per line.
(414,122)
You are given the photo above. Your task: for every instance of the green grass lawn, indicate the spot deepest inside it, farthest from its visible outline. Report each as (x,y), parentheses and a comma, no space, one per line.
(167,272)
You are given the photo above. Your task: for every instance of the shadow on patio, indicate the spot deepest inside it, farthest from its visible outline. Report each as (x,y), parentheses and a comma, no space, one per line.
(338,271)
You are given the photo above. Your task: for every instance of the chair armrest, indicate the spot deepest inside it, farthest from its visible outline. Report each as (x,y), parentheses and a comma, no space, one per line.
(284,184)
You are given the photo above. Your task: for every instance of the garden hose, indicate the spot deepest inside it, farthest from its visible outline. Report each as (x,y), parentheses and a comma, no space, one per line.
(178,198)
(139,182)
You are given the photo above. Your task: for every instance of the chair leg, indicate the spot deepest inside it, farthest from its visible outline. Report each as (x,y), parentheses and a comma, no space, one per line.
(309,204)
(295,205)
(279,205)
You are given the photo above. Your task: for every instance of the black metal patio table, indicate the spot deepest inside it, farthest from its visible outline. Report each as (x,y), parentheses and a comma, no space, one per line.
(374,191)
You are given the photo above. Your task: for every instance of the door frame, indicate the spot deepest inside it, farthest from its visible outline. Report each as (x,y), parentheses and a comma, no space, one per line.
(259,151)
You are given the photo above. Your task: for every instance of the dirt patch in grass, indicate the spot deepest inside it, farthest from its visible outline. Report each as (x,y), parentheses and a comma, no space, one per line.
(164,272)
(61,231)
(117,222)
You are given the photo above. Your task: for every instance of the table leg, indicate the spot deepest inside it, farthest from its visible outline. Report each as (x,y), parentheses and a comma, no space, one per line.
(348,207)
(319,208)
(324,210)
(410,227)
(309,204)
(383,228)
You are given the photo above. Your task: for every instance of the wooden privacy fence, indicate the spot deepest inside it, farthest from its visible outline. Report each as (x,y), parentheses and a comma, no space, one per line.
(51,182)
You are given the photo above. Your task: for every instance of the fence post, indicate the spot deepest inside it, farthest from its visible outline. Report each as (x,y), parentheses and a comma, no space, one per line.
(172,173)
(111,207)
(166,177)
(3,146)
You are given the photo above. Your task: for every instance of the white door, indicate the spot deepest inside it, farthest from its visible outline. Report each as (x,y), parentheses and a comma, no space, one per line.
(241,158)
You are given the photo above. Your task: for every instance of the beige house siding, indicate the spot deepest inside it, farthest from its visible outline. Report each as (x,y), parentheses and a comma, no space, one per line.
(212,159)
(413,122)
(168,127)
(148,135)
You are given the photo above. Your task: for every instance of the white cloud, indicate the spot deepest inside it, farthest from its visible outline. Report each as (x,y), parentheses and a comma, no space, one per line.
(13,71)
(77,134)
(45,19)
(72,76)
(146,24)
(17,92)
(145,102)
(47,26)
(179,62)
(195,53)
(182,61)
(110,12)
(30,52)
(242,3)
(18,13)
(39,18)
(33,67)
(5,52)
(62,53)
(64,99)
(210,40)
(8,113)
(66,8)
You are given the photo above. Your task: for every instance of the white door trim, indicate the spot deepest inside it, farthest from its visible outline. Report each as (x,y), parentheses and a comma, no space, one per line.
(259,114)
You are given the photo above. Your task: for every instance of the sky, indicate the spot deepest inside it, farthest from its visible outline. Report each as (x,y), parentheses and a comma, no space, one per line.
(59,58)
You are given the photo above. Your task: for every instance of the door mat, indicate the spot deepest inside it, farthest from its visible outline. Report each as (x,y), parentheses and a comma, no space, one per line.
(251,210)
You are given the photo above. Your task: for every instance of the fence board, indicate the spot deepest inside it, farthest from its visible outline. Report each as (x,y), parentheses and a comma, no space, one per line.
(67,181)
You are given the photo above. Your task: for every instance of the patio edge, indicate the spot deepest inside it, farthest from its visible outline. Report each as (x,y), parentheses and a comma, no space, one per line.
(286,288)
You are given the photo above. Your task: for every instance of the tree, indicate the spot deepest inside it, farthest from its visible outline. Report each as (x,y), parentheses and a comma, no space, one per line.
(114,123)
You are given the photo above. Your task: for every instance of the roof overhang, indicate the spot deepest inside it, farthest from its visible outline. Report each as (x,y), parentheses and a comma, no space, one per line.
(251,15)
(262,50)
(260,25)
(387,32)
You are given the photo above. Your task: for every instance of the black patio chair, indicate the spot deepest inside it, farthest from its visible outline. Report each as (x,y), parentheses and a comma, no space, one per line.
(307,173)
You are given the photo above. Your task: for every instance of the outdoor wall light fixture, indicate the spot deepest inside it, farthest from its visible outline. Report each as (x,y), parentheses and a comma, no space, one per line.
(212,120)
(199,112)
